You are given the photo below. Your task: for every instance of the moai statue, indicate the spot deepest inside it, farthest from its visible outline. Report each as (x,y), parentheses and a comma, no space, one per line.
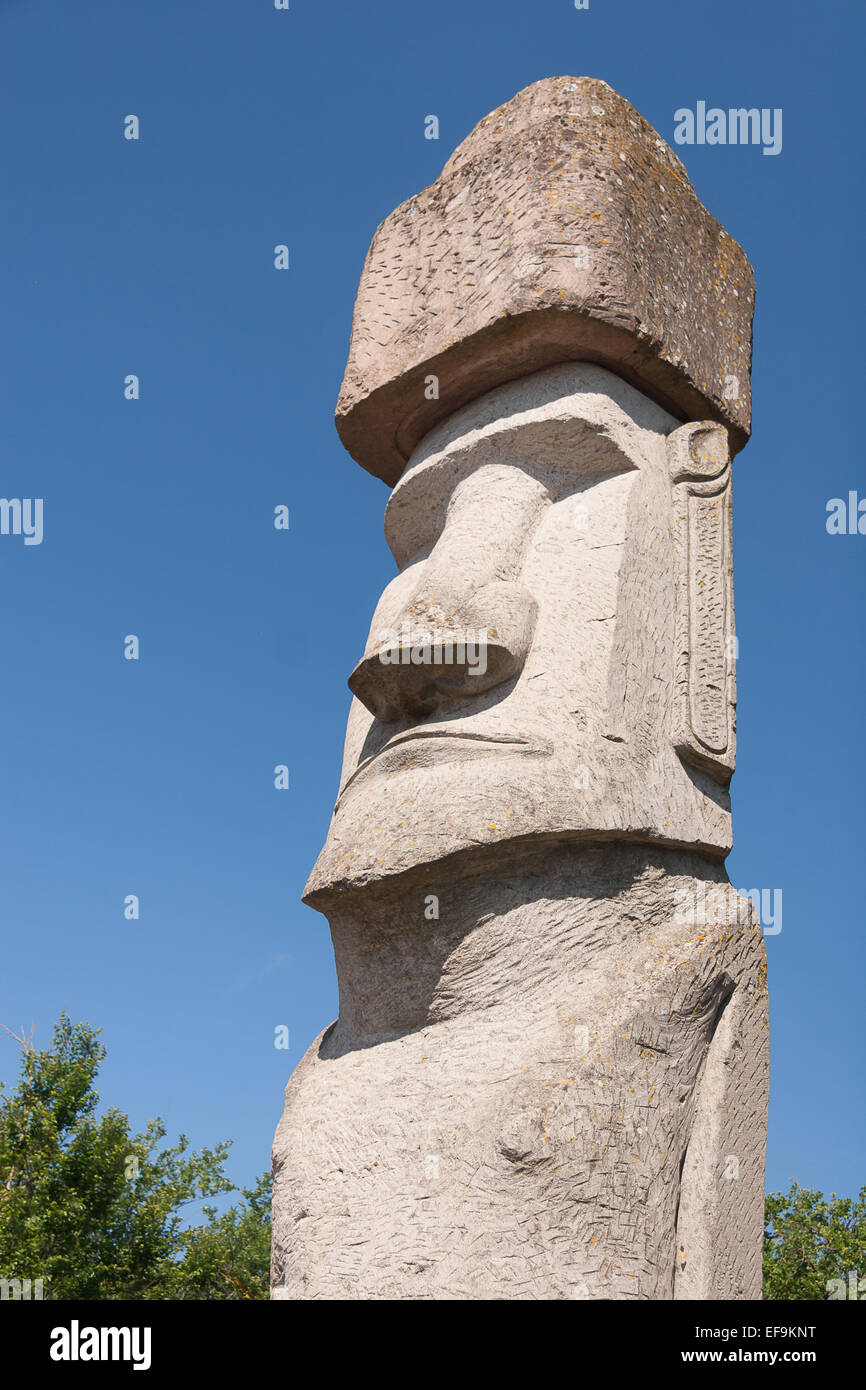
(548,1078)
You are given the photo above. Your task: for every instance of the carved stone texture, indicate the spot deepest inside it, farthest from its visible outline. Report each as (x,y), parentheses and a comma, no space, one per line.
(555,1088)
(705,699)
(563,228)
(548,1078)
(543,512)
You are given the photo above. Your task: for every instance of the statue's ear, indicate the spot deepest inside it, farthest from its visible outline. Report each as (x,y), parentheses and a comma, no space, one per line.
(698,451)
(704,694)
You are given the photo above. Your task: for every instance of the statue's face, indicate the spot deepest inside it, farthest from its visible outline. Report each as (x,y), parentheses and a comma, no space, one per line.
(520,669)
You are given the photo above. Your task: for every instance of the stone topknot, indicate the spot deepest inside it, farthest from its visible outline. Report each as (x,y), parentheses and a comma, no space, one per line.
(563,228)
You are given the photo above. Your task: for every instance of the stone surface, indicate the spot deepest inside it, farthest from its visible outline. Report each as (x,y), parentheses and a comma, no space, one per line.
(548,1078)
(562,228)
(555,511)
(555,1089)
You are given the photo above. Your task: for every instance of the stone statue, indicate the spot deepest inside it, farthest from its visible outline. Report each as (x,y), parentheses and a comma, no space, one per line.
(548,1078)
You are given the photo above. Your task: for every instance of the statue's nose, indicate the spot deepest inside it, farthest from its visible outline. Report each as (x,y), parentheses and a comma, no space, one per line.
(430,660)
(468,626)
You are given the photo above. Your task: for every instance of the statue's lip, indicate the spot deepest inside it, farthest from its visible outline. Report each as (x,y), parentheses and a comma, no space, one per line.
(514,740)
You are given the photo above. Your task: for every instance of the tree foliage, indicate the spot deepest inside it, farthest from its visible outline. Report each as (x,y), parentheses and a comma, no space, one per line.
(812,1245)
(96,1211)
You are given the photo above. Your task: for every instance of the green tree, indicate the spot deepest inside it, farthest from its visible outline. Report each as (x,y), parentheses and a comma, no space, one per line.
(96,1211)
(810,1241)
(229,1256)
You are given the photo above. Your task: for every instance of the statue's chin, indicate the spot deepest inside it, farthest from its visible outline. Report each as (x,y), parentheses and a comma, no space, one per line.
(484,800)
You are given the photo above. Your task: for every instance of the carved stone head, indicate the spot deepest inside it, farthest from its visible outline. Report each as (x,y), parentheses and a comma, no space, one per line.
(554,658)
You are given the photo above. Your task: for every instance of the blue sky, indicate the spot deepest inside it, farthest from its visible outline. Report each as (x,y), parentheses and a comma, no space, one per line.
(155,257)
